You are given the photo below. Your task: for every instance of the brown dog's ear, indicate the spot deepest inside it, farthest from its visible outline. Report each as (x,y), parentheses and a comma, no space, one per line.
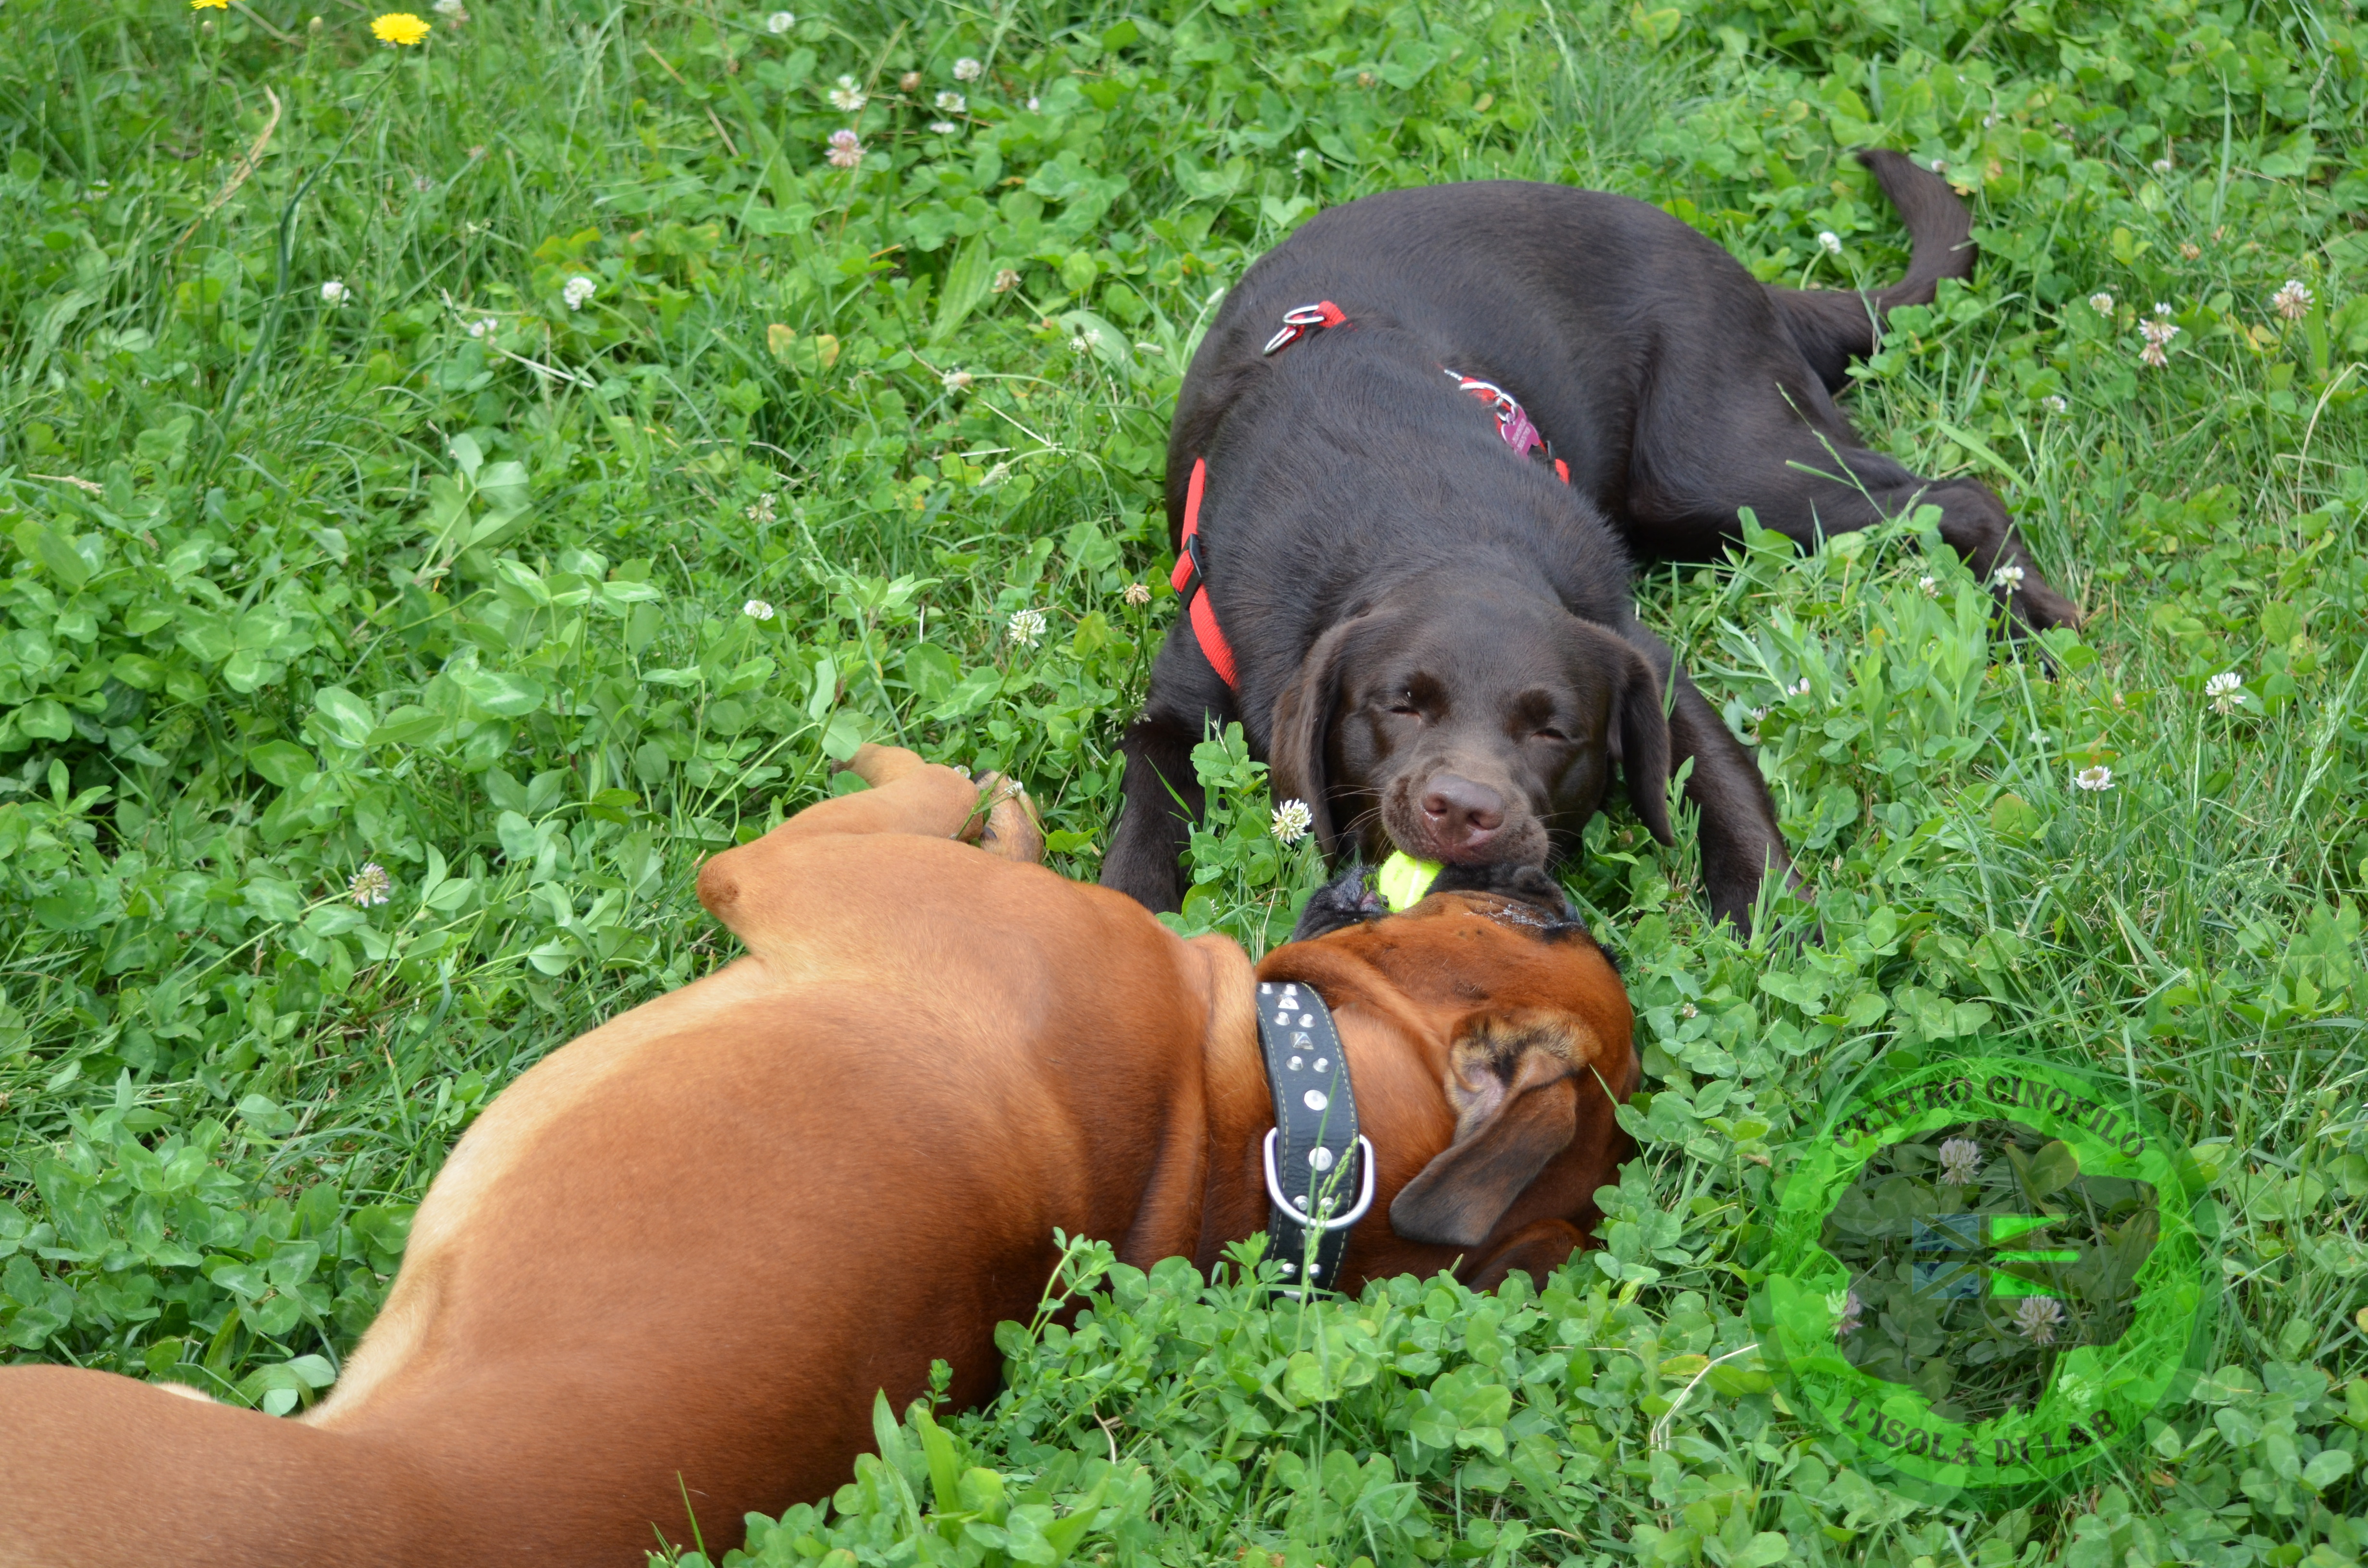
(1303,726)
(1511,1079)
(1644,745)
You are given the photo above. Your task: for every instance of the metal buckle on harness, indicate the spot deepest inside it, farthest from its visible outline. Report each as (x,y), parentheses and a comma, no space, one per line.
(1274,1189)
(1295,324)
(1496,397)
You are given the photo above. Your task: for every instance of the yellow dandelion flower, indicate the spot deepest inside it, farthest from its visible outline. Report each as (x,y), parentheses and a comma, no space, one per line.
(209,5)
(399,27)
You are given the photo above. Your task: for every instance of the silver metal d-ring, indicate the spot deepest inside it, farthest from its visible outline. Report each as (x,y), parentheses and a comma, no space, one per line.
(1274,1189)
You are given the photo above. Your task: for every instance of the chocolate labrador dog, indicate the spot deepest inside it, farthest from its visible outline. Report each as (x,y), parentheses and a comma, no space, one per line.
(1407,469)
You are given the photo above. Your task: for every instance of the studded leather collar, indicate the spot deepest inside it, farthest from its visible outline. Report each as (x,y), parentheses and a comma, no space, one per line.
(1319,1169)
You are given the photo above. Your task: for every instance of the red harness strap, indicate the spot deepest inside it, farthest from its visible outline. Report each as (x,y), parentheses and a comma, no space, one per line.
(1191,584)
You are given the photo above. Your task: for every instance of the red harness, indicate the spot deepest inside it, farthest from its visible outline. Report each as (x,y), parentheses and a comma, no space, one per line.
(1191,584)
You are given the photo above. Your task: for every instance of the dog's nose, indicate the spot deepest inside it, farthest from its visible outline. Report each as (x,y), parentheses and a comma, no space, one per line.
(1460,814)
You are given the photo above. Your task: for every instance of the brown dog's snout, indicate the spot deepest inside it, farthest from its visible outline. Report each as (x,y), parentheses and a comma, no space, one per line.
(1460,815)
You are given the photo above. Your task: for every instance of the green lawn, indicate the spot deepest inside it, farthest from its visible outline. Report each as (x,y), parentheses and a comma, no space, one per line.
(448,492)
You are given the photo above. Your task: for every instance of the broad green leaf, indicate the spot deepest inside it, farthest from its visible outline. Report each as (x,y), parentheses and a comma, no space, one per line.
(843,737)
(280,762)
(267,1117)
(2055,1167)
(968,279)
(53,550)
(45,719)
(499,692)
(347,717)
(409,726)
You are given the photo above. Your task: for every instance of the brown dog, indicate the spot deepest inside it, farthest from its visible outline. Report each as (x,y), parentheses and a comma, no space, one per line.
(672,1262)
(1427,628)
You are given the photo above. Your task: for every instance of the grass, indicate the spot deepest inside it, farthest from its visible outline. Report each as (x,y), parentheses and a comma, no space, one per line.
(448,579)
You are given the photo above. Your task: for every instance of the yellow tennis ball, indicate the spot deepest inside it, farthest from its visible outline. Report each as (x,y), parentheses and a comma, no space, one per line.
(1403,879)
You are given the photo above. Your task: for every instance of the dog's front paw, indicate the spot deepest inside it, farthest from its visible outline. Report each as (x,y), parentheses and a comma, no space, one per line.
(1006,823)
(2042,608)
(878,765)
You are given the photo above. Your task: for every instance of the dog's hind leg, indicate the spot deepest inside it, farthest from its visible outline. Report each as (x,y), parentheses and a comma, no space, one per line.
(1803,480)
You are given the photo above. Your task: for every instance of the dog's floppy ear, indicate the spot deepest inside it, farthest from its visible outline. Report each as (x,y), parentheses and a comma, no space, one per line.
(1303,726)
(1511,1079)
(1641,743)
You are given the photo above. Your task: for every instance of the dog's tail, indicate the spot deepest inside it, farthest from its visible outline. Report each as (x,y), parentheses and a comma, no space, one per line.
(1832,327)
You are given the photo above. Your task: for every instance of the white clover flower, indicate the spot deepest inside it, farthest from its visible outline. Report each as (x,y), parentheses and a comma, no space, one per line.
(1930,586)
(758,609)
(2293,301)
(2008,576)
(2162,308)
(2161,166)
(1136,594)
(1846,1321)
(2036,1319)
(1027,627)
(1687,1010)
(2226,691)
(483,326)
(847,96)
(334,293)
(761,512)
(1031,104)
(968,69)
(957,380)
(845,150)
(1087,341)
(1292,821)
(910,82)
(370,886)
(578,289)
(2053,404)
(1800,690)
(1005,281)
(1829,242)
(2158,333)
(2095,779)
(455,9)
(942,128)
(1961,1158)
(2102,302)
(781,22)
(952,103)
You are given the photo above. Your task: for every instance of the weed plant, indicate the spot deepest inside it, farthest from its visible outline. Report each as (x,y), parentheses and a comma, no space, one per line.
(447,490)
